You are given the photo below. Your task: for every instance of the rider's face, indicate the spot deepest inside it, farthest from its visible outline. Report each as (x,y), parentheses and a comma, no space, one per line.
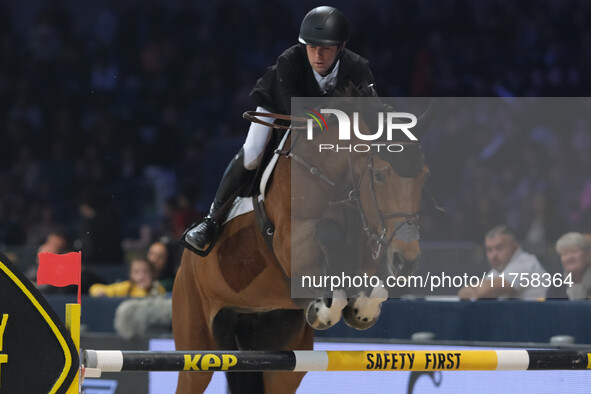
(322,58)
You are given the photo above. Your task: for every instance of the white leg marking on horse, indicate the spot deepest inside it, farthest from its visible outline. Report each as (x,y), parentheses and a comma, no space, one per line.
(379,293)
(332,315)
(368,308)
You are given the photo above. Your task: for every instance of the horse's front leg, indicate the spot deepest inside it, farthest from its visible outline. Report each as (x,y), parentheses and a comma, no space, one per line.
(362,311)
(325,312)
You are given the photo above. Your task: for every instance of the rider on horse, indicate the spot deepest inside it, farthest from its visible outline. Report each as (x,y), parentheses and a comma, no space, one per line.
(316,67)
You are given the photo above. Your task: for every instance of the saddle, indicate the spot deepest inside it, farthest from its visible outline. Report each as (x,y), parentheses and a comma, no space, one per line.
(253,199)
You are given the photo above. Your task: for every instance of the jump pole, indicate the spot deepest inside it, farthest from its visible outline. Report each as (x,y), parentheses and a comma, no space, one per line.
(394,360)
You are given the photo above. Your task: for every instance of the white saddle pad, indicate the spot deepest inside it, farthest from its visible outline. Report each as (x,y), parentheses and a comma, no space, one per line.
(244,205)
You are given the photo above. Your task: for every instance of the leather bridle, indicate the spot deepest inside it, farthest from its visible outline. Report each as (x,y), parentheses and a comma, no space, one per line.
(410,220)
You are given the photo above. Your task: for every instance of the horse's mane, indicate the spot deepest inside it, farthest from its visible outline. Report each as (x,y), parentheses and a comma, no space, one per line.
(407,163)
(351,90)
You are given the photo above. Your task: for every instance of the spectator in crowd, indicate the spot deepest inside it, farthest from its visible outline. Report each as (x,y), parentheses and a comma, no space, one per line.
(100,236)
(184,215)
(141,283)
(54,243)
(162,257)
(574,250)
(58,243)
(507,258)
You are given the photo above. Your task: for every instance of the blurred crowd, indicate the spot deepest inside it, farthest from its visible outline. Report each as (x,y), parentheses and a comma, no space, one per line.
(114,130)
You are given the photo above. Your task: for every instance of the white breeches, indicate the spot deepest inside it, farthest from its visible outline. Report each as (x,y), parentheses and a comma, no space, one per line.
(256,141)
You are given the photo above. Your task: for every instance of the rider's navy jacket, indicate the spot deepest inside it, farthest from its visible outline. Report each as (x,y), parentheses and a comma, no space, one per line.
(292,76)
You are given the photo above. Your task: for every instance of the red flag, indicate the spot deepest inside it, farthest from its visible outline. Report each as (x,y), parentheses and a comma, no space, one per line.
(59,269)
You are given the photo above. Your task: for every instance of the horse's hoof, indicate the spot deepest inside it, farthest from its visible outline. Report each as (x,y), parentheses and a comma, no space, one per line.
(354,319)
(362,312)
(315,309)
(320,316)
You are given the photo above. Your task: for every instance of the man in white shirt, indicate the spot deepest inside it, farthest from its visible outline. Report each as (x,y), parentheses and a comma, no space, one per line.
(513,271)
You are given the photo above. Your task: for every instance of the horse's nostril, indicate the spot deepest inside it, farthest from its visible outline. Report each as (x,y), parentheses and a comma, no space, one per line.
(402,267)
(397,263)
(410,266)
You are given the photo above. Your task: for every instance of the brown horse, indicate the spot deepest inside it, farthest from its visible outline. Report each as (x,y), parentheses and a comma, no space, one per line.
(239,296)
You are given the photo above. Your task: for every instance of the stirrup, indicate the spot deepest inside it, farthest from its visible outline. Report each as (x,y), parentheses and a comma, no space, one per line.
(212,243)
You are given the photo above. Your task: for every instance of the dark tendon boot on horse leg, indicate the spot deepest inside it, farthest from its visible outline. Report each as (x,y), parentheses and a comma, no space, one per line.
(330,237)
(201,238)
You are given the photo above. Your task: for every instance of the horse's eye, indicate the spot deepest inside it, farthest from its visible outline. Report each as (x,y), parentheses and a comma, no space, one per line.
(379,176)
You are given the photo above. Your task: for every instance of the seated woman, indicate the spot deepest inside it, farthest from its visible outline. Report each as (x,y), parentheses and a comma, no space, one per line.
(141,283)
(574,250)
(162,257)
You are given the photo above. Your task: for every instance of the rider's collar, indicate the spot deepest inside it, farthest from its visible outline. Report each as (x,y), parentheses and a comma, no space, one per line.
(328,82)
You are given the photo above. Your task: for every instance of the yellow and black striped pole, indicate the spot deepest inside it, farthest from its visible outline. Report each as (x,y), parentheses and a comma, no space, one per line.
(394,360)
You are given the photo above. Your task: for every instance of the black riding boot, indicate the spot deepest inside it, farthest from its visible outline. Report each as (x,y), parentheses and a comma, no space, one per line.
(201,238)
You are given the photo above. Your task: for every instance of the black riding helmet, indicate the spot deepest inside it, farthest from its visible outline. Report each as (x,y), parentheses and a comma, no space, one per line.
(324,26)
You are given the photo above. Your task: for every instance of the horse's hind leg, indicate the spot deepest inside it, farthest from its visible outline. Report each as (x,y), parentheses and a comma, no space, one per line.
(276,330)
(288,382)
(190,328)
(225,330)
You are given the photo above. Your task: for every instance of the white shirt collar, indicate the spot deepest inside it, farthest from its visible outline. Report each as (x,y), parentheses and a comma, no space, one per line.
(516,255)
(328,82)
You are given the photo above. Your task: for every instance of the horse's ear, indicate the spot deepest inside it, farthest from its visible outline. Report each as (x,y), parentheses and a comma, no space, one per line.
(365,89)
(349,90)
(425,121)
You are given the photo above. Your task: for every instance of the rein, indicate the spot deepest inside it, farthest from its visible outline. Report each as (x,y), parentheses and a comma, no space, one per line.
(354,196)
(253,117)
